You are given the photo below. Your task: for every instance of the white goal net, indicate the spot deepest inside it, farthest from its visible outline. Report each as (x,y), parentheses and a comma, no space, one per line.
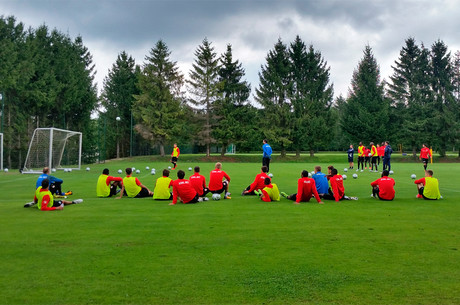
(1,151)
(53,148)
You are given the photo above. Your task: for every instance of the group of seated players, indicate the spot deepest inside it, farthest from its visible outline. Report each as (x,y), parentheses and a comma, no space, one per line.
(194,189)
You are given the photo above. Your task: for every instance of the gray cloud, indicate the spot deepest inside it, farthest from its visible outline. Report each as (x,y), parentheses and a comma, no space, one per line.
(338,29)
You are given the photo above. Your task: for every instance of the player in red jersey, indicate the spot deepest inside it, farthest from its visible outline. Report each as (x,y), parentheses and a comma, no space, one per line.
(337,188)
(306,188)
(361,152)
(425,155)
(183,190)
(45,200)
(198,182)
(384,187)
(258,183)
(367,158)
(380,151)
(216,185)
(175,156)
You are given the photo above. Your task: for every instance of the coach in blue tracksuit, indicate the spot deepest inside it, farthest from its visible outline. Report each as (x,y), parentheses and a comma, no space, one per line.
(55,183)
(387,156)
(267,154)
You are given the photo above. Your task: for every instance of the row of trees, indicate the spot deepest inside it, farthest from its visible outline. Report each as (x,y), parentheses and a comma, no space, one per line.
(46,79)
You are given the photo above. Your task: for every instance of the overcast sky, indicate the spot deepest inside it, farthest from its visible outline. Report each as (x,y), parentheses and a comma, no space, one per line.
(339,29)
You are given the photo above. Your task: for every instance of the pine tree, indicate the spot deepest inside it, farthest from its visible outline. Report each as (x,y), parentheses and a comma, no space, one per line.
(158,106)
(456,91)
(231,110)
(205,89)
(444,107)
(311,96)
(273,95)
(120,86)
(366,113)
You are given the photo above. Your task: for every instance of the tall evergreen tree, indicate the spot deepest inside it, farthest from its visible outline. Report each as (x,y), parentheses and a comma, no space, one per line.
(311,97)
(205,89)
(456,92)
(119,89)
(444,107)
(273,95)
(231,111)
(366,113)
(158,106)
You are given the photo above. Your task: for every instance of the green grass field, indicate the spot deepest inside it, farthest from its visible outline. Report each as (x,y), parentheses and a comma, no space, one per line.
(238,251)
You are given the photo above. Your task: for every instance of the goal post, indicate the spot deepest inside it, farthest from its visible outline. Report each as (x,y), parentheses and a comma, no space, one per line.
(1,151)
(53,148)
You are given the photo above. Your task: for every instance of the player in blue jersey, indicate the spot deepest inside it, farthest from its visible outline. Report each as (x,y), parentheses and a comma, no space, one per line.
(267,154)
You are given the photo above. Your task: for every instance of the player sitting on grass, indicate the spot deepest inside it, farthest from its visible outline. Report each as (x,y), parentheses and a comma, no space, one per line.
(162,186)
(198,182)
(337,188)
(322,186)
(384,188)
(306,188)
(270,191)
(132,187)
(216,185)
(258,184)
(107,185)
(55,183)
(183,190)
(45,200)
(428,187)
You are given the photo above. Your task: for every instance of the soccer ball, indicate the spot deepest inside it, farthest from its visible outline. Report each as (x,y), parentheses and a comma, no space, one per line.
(120,171)
(189,168)
(392,172)
(312,173)
(133,168)
(147,168)
(53,170)
(344,177)
(118,118)
(345,169)
(6,170)
(169,167)
(413,176)
(215,197)
(138,171)
(87,169)
(153,172)
(69,170)
(355,176)
(270,175)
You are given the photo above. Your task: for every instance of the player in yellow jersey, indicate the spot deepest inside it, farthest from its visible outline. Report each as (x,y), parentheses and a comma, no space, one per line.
(132,187)
(175,155)
(162,186)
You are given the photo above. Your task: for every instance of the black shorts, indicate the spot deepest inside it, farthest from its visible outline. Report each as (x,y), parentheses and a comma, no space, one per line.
(425,161)
(350,159)
(57,203)
(143,193)
(174,159)
(361,159)
(374,159)
(420,191)
(224,186)
(194,200)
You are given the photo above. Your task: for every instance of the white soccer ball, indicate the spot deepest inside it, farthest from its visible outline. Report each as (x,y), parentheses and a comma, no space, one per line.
(6,170)
(138,171)
(344,177)
(392,172)
(345,169)
(118,118)
(355,176)
(153,172)
(87,169)
(147,168)
(120,171)
(215,197)
(312,173)
(133,169)
(189,168)
(69,169)
(270,175)
(169,167)
(53,170)
(413,176)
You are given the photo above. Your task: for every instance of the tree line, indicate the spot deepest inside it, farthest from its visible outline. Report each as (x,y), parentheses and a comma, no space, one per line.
(47,79)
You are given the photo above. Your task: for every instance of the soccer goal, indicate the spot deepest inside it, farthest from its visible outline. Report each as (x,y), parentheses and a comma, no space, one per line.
(53,148)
